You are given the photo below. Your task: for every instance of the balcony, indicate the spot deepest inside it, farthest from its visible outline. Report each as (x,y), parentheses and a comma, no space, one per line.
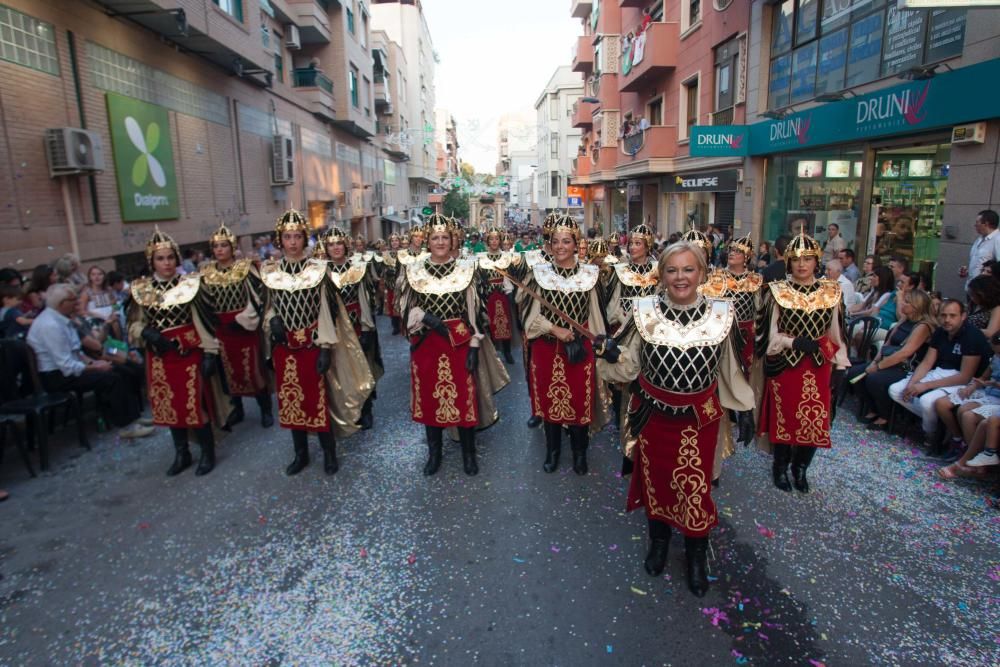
(723,117)
(580,9)
(582,167)
(656,49)
(583,58)
(583,114)
(657,141)
(317,90)
(383,101)
(603,159)
(313,21)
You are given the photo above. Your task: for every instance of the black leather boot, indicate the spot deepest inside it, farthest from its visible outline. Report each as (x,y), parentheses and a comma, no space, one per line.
(467,436)
(434,444)
(553,444)
(300,441)
(367,420)
(659,540)
(779,467)
(507,356)
(266,411)
(182,455)
(535,421)
(696,550)
(801,458)
(206,440)
(329,445)
(579,440)
(236,415)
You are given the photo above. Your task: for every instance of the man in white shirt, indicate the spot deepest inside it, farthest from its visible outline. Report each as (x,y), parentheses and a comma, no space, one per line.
(834,271)
(851,270)
(834,243)
(63,367)
(986,247)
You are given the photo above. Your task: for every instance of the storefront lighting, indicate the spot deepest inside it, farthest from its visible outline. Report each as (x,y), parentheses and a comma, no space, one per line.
(774,114)
(922,72)
(836,97)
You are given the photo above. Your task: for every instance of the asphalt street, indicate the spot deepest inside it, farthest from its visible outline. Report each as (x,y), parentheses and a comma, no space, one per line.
(104,560)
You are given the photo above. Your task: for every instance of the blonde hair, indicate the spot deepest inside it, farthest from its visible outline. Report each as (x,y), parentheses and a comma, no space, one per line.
(678,248)
(922,307)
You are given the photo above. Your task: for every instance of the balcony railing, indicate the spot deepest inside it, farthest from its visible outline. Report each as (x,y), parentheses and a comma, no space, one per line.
(583,55)
(649,56)
(311,78)
(583,114)
(656,141)
(723,117)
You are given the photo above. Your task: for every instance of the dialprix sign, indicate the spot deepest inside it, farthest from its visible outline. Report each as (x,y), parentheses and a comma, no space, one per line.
(144,159)
(950,98)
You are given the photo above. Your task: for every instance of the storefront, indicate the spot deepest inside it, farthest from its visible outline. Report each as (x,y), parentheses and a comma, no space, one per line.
(702,198)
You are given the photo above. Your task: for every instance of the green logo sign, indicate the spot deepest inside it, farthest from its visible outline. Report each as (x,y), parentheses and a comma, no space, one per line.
(144,159)
(427,210)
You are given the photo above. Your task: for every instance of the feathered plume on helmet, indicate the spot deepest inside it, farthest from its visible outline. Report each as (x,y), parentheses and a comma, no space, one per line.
(743,245)
(160,241)
(290,221)
(643,232)
(698,238)
(223,235)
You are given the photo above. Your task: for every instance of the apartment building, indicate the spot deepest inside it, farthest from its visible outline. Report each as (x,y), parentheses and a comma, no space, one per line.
(404,23)
(237,109)
(557,139)
(446,137)
(392,128)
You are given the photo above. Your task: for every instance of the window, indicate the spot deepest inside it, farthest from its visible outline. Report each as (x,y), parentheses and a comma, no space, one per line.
(350,21)
(367,90)
(554,185)
(279,67)
(654,111)
(364,31)
(232,7)
(553,107)
(400,86)
(689,106)
(690,14)
(355,101)
(27,41)
(554,145)
(726,65)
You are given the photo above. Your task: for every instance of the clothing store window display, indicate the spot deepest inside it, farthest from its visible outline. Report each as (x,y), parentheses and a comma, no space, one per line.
(680,352)
(454,369)
(801,336)
(565,389)
(321,374)
(355,279)
(171,319)
(496,290)
(233,286)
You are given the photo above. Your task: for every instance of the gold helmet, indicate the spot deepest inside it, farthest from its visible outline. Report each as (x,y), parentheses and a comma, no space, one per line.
(223,235)
(803,245)
(642,232)
(161,241)
(438,222)
(550,222)
(290,221)
(566,224)
(335,235)
(597,249)
(699,239)
(743,245)
(495,231)
(416,229)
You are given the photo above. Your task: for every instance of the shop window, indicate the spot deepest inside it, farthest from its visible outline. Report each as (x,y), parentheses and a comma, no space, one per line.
(689,106)
(806,15)
(803,73)
(27,41)
(654,111)
(232,7)
(781,28)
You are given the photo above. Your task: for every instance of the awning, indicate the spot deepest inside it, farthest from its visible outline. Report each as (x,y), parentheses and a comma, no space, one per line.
(395,220)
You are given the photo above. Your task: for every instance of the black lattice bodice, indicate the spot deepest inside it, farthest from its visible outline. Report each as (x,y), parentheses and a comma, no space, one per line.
(575,304)
(227,298)
(684,370)
(492,281)
(447,306)
(630,291)
(797,322)
(348,293)
(297,309)
(744,302)
(167,317)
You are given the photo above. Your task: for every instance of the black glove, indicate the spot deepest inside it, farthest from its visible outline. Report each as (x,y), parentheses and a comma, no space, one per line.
(805,345)
(235,327)
(574,351)
(159,343)
(209,364)
(607,349)
(472,360)
(279,334)
(746,426)
(432,321)
(324,361)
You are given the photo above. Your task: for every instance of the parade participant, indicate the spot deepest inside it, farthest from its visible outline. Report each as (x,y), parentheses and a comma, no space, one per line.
(454,371)
(321,375)
(635,278)
(702,240)
(355,282)
(496,290)
(231,285)
(389,276)
(562,376)
(742,286)
(360,245)
(801,334)
(678,349)
(531,258)
(170,318)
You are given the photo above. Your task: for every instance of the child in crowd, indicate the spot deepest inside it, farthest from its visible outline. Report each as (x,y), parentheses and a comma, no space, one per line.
(13,322)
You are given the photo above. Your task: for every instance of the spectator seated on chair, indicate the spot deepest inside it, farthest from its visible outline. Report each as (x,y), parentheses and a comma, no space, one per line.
(957,353)
(976,401)
(984,303)
(980,455)
(63,367)
(904,348)
(14,322)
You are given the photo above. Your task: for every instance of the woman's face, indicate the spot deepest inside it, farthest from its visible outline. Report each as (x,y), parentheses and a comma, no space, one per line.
(869,264)
(908,310)
(803,268)
(336,251)
(681,275)
(440,244)
(165,263)
(95,276)
(222,251)
(564,247)
(294,243)
(637,250)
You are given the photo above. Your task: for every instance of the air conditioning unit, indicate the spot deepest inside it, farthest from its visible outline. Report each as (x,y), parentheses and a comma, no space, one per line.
(292,39)
(283,160)
(71,150)
(973,133)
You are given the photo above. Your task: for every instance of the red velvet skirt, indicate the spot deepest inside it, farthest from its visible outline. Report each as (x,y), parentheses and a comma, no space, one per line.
(240,355)
(673,456)
(303,404)
(390,302)
(561,392)
(796,408)
(500,315)
(178,394)
(747,330)
(442,392)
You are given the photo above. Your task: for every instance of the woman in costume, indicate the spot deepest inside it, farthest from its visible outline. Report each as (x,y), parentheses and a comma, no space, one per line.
(454,371)
(802,335)
(496,290)
(562,376)
(390,273)
(172,320)
(678,351)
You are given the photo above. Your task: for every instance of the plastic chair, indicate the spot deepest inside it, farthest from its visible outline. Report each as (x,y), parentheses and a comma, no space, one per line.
(869,326)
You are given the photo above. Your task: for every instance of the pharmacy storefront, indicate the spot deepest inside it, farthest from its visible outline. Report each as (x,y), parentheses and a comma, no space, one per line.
(877,165)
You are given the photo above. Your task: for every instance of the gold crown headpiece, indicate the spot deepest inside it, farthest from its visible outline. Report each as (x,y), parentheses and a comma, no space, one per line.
(290,221)
(437,222)
(550,222)
(161,241)
(803,245)
(643,232)
(566,224)
(698,238)
(335,235)
(597,248)
(743,245)
(496,231)
(223,235)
